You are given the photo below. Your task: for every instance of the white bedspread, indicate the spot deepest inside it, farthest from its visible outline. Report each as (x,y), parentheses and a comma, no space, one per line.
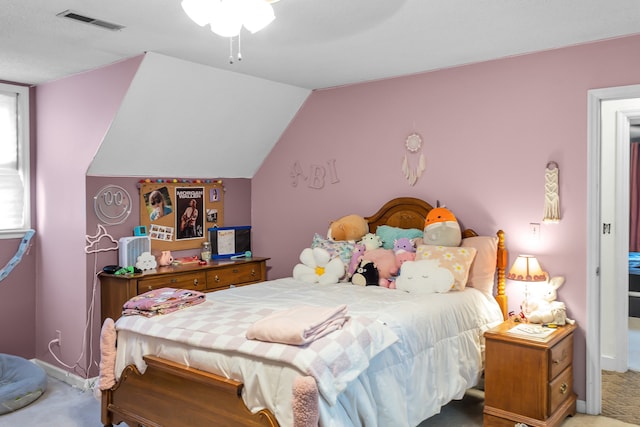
(437,357)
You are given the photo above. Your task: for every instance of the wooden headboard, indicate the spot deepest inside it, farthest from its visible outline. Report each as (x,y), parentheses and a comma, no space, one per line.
(409,212)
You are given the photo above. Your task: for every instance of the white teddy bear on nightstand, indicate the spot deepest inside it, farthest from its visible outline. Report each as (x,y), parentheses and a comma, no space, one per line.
(547,309)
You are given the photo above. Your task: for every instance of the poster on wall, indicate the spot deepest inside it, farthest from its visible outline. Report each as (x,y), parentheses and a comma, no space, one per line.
(178,212)
(190,202)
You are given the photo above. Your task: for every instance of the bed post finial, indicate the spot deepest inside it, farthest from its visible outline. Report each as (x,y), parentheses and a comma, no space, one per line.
(501,266)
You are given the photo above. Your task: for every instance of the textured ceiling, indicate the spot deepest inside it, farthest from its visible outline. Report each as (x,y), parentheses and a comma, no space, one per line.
(312,43)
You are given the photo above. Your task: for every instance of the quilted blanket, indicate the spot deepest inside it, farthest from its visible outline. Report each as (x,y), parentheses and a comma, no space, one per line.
(333,360)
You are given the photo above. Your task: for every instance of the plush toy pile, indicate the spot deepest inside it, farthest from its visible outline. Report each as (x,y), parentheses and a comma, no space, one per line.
(416,261)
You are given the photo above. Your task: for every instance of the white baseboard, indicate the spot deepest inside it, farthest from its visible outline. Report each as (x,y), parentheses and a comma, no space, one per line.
(608,363)
(581,406)
(65,376)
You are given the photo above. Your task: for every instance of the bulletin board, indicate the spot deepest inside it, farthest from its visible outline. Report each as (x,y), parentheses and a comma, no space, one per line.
(177,213)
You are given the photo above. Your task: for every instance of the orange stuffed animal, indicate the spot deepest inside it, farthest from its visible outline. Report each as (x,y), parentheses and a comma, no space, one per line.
(441,228)
(350,227)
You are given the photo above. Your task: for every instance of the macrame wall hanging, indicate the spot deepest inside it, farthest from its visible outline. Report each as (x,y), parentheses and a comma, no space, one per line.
(551,197)
(413,163)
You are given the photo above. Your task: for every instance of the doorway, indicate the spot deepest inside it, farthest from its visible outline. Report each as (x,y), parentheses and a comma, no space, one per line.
(610,112)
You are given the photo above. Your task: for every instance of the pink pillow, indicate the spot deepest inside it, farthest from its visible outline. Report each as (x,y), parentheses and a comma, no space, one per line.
(482,274)
(456,259)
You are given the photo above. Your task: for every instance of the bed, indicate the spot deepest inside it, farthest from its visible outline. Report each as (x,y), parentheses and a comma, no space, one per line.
(400,376)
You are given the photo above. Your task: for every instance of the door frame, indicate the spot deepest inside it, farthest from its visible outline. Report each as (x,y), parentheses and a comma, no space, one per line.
(595,98)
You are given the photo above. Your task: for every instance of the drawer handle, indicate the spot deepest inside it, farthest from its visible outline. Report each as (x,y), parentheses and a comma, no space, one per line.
(195,282)
(563,357)
(174,280)
(563,388)
(217,279)
(235,270)
(253,272)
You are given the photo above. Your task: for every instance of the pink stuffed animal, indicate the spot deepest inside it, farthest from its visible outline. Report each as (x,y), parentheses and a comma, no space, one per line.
(385,261)
(356,256)
(165,258)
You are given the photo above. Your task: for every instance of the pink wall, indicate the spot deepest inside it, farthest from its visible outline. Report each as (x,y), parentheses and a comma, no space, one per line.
(489,130)
(18,290)
(73,116)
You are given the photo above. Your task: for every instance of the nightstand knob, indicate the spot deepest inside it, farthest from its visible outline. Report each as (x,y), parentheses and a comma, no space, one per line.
(195,282)
(563,388)
(217,279)
(253,273)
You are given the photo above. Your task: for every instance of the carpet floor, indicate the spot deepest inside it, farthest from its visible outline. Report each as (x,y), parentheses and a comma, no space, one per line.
(620,393)
(64,406)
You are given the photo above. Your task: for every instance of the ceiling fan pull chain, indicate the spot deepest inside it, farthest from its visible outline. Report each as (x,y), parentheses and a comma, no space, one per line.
(230,50)
(239,46)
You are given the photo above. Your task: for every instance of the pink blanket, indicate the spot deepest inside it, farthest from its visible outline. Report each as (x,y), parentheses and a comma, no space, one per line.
(299,325)
(161,301)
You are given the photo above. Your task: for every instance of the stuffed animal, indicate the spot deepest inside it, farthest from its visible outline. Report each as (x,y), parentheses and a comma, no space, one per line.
(546,309)
(350,227)
(424,277)
(165,258)
(385,261)
(366,274)
(403,244)
(404,256)
(146,261)
(441,228)
(356,256)
(318,267)
(371,241)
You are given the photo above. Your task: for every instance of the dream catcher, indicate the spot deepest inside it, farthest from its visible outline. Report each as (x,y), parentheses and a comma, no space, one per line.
(413,163)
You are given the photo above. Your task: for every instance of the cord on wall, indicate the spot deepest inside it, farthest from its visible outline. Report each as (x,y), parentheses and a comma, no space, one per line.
(83,371)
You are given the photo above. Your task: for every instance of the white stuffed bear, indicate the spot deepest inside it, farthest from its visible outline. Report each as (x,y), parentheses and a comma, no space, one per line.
(424,277)
(546,309)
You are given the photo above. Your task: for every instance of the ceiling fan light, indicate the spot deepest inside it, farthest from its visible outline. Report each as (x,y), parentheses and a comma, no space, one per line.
(198,10)
(226,18)
(257,14)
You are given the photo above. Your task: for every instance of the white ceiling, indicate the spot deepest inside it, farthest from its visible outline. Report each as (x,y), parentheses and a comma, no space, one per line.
(312,43)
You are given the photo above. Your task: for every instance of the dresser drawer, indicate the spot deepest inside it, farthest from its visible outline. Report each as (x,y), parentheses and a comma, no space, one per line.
(234,275)
(560,389)
(195,281)
(560,356)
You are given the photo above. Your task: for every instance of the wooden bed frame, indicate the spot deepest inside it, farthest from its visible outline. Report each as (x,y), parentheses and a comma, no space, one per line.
(172,394)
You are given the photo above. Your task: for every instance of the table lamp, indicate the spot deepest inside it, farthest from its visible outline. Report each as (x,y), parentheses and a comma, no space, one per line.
(526,268)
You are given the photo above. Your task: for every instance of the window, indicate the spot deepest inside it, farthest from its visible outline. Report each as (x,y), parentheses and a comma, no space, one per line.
(15,217)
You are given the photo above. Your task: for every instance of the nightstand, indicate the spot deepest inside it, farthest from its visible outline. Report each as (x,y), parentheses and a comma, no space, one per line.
(528,379)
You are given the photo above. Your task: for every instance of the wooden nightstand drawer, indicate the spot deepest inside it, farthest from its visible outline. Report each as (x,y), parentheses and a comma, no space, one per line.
(233,275)
(194,281)
(560,389)
(560,356)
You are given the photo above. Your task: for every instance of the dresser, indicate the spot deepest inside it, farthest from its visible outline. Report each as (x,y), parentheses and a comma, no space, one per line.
(528,380)
(216,275)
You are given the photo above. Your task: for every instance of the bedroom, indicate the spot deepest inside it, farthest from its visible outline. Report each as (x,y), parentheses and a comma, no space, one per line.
(362,127)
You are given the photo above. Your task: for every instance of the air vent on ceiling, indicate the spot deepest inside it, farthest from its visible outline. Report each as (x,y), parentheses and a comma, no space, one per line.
(88,20)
